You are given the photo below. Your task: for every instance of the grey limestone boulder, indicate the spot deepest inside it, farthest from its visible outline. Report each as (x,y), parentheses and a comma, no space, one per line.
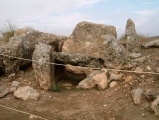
(10,50)
(78,59)
(44,71)
(132,42)
(22,45)
(136,95)
(150,44)
(86,39)
(27,93)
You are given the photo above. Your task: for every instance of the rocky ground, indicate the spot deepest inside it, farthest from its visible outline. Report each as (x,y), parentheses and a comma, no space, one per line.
(130,99)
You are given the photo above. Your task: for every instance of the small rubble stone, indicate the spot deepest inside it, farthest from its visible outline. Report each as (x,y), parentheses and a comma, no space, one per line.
(148,68)
(101,80)
(140,59)
(152,93)
(155,106)
(135,55)
(27,93)
(143,114)
(128,78)
(138,69)
(3,91)
(33,117)
(114,76)
(14,86)
(97,77)
(136,95)
(11,75)
(113,84)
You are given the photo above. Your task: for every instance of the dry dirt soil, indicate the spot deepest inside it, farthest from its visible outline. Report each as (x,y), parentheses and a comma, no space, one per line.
(111,104)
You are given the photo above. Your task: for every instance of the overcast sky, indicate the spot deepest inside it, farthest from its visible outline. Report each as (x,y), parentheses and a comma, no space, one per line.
(61,16)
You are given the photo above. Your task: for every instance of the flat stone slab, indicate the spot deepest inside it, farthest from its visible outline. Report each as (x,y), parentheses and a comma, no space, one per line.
(78,59)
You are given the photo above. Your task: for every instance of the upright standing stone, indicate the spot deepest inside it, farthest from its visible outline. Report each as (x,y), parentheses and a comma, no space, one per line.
(44,72)
(132,42)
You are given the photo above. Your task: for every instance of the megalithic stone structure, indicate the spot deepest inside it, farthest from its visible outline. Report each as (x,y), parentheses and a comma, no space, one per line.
(132,43)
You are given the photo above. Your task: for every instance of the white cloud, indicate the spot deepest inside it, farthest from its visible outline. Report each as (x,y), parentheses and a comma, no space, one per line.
(61,16)
(61,24)
(34,7)
(40,13)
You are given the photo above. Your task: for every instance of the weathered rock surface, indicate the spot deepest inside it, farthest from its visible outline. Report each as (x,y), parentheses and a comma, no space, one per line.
(86,39)
(140,59)
(13,48)
(115,76)
(113,84)
(128,78)
(23,31)
(155,106)
(132,42)
(14,86)
(151,94)
(78,59)
(78,70)
(26,93)
(101,80)
(135,55)
(139,70)
(34,37)
(3,91)
(136,95)
(97,77)
(150,44)
(22,45)
(113,50)
(44,72)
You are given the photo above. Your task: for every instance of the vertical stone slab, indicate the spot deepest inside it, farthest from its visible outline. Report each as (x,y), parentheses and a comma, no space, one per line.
(44,72)
(132,42)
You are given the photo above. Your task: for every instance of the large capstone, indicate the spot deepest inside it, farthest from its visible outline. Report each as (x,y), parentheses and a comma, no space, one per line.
(87,39)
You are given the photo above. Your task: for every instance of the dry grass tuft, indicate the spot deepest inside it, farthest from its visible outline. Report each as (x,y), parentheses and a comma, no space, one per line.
(7,30)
